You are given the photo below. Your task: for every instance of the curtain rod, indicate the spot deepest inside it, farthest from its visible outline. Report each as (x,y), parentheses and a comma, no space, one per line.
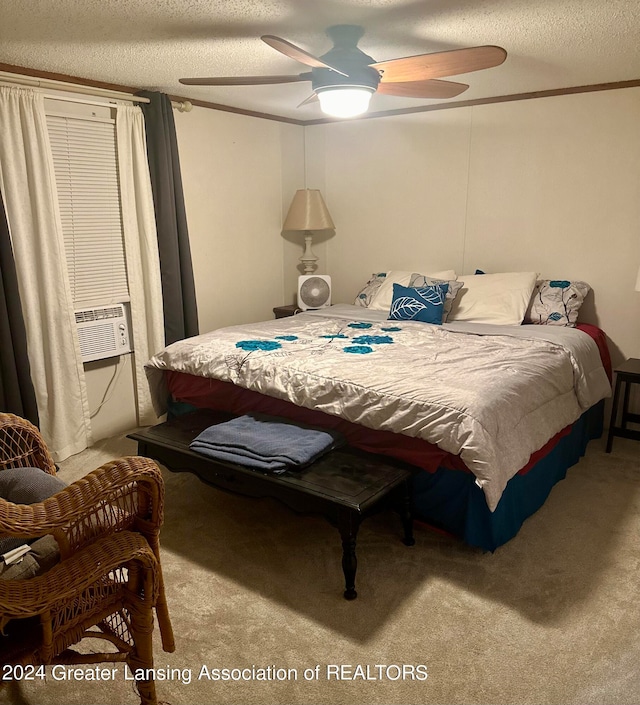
(184,106)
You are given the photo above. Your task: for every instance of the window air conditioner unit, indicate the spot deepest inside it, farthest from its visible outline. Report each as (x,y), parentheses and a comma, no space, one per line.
(103,332)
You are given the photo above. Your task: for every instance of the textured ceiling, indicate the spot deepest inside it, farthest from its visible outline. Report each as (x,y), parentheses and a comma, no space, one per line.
(150,44)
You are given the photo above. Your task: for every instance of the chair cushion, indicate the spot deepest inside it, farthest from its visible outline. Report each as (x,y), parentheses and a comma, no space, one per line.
(25,486)
(44,554)
(26,567)
(28,485)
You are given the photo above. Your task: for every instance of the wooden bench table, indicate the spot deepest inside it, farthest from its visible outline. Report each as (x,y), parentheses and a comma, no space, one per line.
(345,485)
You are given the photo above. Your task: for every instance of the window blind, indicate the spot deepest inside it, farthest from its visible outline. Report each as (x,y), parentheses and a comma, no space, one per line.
(86,171)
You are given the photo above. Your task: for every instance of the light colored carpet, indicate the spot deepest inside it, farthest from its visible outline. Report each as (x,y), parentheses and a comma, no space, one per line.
(551,617)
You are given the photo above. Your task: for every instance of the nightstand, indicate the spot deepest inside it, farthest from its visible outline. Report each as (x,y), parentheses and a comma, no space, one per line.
(626,374)
(284,311)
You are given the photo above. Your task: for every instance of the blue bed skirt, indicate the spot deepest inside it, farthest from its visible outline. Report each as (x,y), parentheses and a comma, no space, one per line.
(450,499)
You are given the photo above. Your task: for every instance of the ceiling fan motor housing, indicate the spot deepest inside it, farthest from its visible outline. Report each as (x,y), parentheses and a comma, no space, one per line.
(346,56)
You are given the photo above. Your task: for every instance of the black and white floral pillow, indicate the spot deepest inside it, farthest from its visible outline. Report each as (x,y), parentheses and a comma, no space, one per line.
(366,294)
(556,302)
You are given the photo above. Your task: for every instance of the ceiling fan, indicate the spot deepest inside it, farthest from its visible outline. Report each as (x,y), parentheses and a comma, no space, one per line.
(345,78)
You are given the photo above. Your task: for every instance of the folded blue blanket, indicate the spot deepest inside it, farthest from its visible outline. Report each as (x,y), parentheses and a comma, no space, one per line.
(266,443)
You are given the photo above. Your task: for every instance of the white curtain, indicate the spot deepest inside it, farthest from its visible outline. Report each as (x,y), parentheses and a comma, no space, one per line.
(28,187)
(141,250)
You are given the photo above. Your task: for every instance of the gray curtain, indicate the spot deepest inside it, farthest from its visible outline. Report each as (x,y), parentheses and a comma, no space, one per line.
(16,389)
(178,289)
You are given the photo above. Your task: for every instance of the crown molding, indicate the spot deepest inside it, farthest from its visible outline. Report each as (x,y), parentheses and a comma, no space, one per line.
(77,80)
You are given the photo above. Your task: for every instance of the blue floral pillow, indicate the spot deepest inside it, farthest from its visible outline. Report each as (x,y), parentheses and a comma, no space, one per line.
(423,303)
(556,302)
(369,290)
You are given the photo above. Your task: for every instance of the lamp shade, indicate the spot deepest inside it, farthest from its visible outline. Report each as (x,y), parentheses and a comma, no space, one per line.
(638,281)
(308,211)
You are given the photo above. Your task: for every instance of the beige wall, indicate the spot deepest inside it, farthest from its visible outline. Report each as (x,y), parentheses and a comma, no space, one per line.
(551,185)
(110,392)
(238,175)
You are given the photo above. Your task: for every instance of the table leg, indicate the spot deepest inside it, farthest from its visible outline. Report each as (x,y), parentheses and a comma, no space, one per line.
(614,414)
(625,404)
(348,525)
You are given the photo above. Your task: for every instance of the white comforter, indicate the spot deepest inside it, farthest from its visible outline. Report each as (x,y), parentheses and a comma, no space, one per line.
(491,394)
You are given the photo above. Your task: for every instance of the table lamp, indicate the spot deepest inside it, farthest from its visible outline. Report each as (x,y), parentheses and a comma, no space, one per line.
(308,212)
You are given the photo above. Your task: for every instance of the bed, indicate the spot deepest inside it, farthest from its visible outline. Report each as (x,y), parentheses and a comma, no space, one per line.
(491,415)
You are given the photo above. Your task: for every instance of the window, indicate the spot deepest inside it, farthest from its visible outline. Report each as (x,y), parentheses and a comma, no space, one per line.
(86,171)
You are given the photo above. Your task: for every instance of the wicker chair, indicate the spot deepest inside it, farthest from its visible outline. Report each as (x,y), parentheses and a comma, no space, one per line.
(108,579)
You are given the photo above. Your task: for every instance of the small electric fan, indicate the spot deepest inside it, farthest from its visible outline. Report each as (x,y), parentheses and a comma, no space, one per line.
(314,291)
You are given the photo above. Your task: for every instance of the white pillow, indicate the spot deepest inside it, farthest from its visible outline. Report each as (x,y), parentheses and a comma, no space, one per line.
(384,296)
(494,298)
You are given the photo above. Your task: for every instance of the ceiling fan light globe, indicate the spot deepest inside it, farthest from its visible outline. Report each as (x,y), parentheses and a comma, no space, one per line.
(345,101)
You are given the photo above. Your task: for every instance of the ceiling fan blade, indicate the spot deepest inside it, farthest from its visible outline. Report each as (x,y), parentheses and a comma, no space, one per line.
(442,63)
(244,80)
(294,52)
(311,99)
(431,88)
